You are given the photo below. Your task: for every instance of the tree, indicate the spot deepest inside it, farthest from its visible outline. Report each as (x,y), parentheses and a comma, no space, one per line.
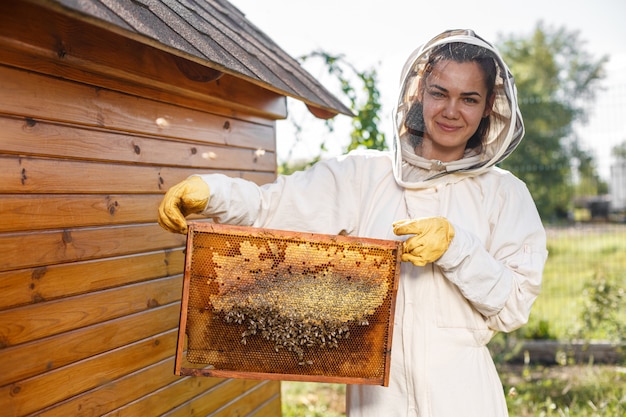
(556,78)
(364,102)
(589,182)
(619,151)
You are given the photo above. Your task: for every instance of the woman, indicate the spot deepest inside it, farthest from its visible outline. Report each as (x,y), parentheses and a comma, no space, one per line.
(475,246)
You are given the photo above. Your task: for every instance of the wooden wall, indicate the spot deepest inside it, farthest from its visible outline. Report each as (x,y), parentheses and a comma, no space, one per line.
(94,128)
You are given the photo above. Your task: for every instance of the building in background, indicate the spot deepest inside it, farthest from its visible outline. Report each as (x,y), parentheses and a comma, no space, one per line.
(617,186)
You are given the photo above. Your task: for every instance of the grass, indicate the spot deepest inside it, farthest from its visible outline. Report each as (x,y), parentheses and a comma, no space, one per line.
(531,391)
(559,391)
(310,399)
(576,256)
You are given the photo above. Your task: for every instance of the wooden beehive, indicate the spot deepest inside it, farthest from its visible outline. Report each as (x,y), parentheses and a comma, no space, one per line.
(270,304)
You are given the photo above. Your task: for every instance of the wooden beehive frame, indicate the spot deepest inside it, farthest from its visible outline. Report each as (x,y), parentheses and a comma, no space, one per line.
(341,355)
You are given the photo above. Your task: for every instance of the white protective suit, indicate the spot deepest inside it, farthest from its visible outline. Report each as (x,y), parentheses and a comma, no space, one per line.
(447,311)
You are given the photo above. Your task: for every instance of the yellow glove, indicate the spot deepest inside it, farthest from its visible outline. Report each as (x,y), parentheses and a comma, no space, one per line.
(431,240)
(186,197)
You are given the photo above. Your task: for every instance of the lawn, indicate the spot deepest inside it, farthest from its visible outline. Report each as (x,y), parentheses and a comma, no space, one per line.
(531,391)
(311,399)
(560,391)
(579,256)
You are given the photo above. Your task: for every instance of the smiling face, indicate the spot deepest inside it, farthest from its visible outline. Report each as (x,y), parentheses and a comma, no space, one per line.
(455,98)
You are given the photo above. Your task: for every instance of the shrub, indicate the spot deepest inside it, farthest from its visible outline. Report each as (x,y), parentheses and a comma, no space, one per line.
(603,305)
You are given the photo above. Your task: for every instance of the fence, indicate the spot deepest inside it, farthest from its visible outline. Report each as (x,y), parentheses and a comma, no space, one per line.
(584,283)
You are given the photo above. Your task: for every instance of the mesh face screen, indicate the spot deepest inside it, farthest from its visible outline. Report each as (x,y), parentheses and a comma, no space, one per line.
(280,303)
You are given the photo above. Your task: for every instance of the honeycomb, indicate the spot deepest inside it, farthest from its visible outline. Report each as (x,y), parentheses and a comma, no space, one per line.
(273,304)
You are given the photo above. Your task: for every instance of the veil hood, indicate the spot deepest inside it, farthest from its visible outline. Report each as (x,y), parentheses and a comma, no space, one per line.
(506,127)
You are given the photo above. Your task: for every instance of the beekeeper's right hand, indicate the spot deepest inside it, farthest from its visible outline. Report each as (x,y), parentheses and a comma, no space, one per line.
(432,236)
(187,197)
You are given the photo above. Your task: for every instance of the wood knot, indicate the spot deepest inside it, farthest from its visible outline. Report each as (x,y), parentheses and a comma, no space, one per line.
(39,272)
(67,237)
(112,206)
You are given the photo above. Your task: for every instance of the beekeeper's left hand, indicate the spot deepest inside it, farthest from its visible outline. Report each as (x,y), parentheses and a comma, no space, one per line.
(432,238)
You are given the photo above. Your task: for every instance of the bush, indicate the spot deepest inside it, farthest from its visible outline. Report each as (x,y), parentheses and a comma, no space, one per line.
(559,391)
(603,305)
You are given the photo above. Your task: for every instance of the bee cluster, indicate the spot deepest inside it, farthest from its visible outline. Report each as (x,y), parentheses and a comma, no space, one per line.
(301,312)
(292,334)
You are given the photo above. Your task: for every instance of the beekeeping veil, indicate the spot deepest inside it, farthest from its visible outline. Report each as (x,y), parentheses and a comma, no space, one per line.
(505,127)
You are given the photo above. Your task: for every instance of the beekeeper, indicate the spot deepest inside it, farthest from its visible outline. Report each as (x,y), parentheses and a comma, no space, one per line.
(475,246)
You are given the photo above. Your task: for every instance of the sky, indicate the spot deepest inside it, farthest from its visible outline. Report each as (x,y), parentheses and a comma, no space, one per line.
(382,34)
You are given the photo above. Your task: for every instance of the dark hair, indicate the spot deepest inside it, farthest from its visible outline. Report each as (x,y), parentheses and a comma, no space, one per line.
(458,52)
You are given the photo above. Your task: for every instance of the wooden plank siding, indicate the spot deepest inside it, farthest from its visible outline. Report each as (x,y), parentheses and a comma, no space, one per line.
(94,128)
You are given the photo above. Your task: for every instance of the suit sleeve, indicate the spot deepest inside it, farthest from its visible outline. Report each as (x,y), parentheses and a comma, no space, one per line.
(502,281)
(323,199)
